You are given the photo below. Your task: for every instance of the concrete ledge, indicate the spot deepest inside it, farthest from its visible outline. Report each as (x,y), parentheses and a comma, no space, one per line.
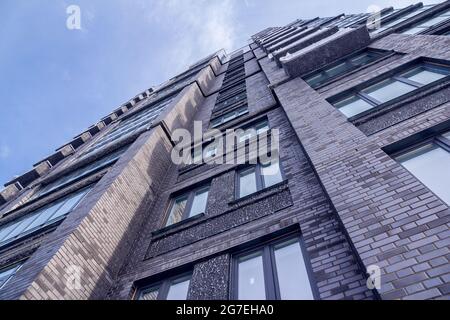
(303,43)
(9,192)
(327,50)
(28,177)
(301,33)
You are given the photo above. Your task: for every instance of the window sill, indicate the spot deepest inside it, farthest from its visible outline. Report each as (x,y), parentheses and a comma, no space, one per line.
(400,101)
(176,226)
(258,195)
(234,205)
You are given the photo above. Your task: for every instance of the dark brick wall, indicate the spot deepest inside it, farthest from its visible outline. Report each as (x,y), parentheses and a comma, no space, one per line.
(392,219)
(206,243)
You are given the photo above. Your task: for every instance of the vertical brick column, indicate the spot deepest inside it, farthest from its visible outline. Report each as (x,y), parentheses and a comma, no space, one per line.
(392,219)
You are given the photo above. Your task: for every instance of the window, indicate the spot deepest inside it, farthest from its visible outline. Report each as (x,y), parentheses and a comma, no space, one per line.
(84,171)
(391,88)
(130,125)
(396,21)
(188,205)
(175,288)
(200,153)
(430,163)
(430,22)
(7,273)
(272,272)
(228,116)
(40,218)
(252,131)
(342,67)
(258,177)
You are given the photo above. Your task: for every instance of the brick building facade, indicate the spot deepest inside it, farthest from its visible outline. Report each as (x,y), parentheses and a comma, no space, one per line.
(362,105)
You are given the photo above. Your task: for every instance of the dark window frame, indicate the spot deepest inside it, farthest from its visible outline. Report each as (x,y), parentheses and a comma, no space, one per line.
(382,55)
(190,195)
(356,91)
(260,185)
(437,139)
(164,285)
(267,248)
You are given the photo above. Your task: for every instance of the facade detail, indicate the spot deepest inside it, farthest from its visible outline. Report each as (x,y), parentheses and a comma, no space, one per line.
(361,103)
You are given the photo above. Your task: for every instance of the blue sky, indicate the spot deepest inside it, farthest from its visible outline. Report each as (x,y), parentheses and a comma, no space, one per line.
(55,82)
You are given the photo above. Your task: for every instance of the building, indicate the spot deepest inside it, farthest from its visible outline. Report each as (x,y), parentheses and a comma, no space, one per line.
(362,105)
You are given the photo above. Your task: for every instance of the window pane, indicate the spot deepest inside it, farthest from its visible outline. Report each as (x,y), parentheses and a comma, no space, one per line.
(149,294)
(7,273)
(178,291)
(424,76)
(352,106)
(262,127)
(43,217)
(447,135)
(176,213)
(69,204)
(21,227)
(431,22)
(364,58)
(251,284)
(388,90)
(430,164)
(271,173)
(339,69)
(199,203)
(247,183)
(5,230)
(291,271)
(415,30)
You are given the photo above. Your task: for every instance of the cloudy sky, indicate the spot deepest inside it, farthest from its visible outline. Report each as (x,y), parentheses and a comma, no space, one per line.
(55,82)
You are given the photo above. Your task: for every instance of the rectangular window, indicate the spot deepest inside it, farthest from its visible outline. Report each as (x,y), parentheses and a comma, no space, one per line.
(342,67)
(428,23)
(7,273)
(188,205)
(252,131)
(276,271)
(176,288)
(388,89)
(130,125)
(228,116)
(430,163)
(398,20)
(79,173)
(256,178)
(40,218)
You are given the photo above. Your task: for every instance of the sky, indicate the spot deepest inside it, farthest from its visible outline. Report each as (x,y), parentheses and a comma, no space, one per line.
(55,82)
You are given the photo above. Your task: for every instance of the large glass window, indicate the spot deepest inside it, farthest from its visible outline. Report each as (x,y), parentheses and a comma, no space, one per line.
(7,273)
(391,88)
(398,20)
(342,67)
(274,271)
(40,218)
(84,171)
(258,177)
(228,116)
(188,205)
(428,23)
(430,163)
(130,125)
(175,288)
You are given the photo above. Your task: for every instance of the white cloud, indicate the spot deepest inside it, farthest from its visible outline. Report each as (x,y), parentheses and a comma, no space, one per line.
(5,151)
(201,27)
